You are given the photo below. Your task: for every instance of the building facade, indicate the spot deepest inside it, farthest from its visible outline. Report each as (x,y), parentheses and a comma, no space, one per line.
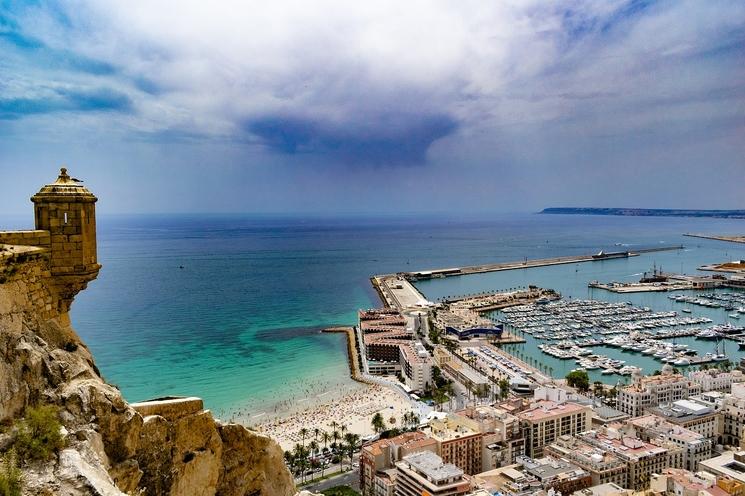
(651,391)
(545,421)
(425,473)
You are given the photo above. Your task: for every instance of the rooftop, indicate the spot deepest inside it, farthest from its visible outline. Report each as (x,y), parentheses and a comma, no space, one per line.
(659,425)
(547,409)
(431,466)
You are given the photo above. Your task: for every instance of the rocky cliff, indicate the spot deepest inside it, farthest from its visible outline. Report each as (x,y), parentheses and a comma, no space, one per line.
(168,447)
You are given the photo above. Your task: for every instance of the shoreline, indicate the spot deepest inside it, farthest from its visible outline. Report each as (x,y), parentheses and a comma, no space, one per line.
(353,409)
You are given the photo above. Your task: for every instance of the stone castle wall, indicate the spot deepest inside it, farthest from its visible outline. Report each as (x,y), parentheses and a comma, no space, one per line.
(26,238)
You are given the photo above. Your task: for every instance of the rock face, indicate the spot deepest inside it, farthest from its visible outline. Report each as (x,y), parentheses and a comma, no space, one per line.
(112,448)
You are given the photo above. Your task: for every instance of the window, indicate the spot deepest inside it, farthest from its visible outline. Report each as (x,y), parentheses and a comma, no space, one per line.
(65,215)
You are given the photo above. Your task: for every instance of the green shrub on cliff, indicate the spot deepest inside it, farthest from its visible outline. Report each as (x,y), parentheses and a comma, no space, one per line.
(39,436)
(11,478)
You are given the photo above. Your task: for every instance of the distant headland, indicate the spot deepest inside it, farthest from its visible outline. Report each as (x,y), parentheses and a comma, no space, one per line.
(646,212)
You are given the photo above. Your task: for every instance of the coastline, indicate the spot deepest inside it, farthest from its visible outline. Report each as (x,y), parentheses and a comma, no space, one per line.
(354,410)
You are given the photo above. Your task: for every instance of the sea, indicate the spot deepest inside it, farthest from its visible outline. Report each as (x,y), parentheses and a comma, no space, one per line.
(230,307)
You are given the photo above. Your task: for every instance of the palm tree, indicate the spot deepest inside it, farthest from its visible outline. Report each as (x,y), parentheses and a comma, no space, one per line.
(335,436)
(352,442)
(378,424)
(325,437)
(301,460)
(312,450)
(303,433)
(316,433)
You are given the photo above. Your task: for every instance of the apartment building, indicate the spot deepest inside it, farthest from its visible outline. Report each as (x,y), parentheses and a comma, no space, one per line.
(546,420)
(459,441)
(377,460)
(503,440)
(695,446)
(425,473)
(603,465)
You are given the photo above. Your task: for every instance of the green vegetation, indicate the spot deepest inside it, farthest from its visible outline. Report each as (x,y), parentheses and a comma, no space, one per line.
(504,388)
(38,436)
(340,491)
(579,379)
(378,424)
(324,449)
(11,478)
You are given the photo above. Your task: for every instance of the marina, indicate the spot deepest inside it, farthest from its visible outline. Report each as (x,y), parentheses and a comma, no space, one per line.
(611,334)
(570,328)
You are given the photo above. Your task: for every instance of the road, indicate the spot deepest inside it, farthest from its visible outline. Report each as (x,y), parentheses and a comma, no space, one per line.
(351,479)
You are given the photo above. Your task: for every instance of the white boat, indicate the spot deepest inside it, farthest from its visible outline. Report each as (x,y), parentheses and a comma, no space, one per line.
(608,371)
(734,316)
(682,361)
(649,351)
(686,310)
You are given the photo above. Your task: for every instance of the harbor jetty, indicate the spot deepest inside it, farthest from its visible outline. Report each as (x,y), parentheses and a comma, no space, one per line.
(524,264)
(353,354)
(731,239)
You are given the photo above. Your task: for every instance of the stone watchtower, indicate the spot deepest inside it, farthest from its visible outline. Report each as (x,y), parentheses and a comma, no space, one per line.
(67,209)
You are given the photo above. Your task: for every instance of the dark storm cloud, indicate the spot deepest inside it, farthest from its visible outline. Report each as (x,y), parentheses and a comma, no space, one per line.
(391,139)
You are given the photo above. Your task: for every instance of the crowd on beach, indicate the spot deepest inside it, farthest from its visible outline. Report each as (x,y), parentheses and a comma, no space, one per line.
(306,393)
(353,410)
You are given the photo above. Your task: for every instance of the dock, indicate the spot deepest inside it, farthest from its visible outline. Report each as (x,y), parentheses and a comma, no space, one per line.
(730,239)
(526,264)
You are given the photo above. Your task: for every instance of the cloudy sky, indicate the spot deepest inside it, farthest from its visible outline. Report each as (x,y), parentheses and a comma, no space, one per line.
(385,106)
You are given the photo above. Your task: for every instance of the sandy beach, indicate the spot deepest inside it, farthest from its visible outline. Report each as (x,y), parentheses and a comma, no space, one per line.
(353,409)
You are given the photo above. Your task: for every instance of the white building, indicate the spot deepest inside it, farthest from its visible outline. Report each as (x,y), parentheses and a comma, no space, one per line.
(716,380)
(416,365)
(425,473)
(733,411)
(651,391)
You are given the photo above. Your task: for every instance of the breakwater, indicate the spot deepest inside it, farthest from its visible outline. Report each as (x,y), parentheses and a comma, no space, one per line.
(353,355)
(524,264)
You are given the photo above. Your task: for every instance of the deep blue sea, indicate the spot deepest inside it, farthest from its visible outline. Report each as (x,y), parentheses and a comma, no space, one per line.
(240,321)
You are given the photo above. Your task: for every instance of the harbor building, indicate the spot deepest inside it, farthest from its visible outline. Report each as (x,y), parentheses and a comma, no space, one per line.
(696,447)
(716,380)
(459,441)
(546,420)
(651,391)
(426,473)
(378,459)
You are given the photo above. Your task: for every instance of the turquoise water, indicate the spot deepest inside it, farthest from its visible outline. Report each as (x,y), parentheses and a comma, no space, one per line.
(240,322)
